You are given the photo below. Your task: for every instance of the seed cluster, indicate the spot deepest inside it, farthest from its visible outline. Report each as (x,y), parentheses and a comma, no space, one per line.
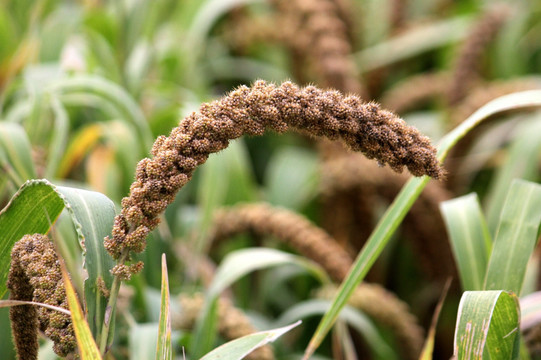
(35,275)
(363,127)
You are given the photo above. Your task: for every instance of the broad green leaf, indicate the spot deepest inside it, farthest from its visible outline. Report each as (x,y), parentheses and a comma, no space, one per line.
(470,239)
(85,342)
(516,237)
(239,348)
(92,214)
(36,206)
(164,349)
(16,153)
(392,218)
(488,326)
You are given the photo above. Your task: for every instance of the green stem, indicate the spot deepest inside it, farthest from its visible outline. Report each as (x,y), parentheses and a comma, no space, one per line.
(109,309)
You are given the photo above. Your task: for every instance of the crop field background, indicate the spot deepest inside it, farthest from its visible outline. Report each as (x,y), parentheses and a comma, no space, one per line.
(270,179)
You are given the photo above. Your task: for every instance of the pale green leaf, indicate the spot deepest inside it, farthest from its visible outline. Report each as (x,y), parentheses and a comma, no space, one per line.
(470,239)
(516,237)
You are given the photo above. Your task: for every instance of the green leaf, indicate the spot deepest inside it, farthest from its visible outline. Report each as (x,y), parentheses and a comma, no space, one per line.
(515,238)
(470,239)
(403,202)
(143,340)
(36,206)
(487,326)
(85,342)
(239,348)
(164,349)
(92,214)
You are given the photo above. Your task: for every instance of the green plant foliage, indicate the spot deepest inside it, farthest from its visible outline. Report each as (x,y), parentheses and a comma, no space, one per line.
(488,325)
(164,349)
(35,208)
(469,238)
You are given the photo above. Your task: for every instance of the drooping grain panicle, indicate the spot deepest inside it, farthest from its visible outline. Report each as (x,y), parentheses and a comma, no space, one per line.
(35,275)
(363,127)
(232,322)
(288,227)
(466,69)
(389,311)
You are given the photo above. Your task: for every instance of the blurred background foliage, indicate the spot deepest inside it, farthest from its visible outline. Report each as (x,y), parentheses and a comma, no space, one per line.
(86,86)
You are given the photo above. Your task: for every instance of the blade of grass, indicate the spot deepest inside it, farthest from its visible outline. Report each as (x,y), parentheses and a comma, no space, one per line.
(402,203)
(470,239)
(85,342)
(516,237)
(164,349)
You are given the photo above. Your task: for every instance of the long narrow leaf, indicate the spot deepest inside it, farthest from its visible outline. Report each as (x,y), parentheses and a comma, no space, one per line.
(402,203)
(470,239)
(85,342)
(515,238)
(164,349)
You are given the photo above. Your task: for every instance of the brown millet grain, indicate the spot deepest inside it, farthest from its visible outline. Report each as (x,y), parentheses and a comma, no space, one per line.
(35,275)
(364,127)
